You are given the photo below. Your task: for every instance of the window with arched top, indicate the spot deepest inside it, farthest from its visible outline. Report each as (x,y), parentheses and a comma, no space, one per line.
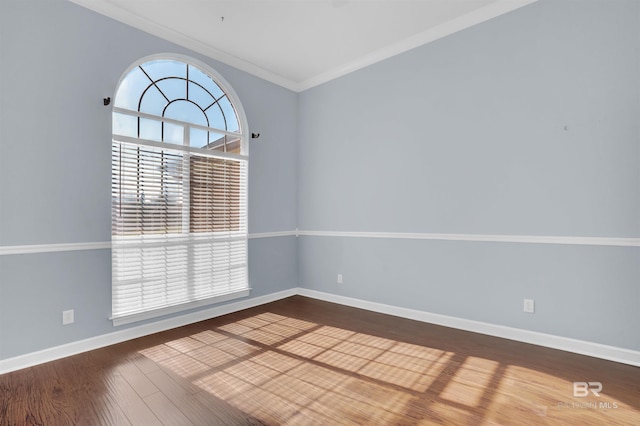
(179,190)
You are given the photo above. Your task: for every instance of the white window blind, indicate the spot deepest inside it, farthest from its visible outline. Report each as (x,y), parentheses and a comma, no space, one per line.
(179,209)
(178,236)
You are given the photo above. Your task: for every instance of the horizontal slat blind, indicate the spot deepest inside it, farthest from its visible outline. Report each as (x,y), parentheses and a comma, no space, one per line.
(215,188)
(147,193)
(179,228)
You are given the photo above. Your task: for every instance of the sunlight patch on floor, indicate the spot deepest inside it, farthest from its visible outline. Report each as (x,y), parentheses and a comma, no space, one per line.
(288,371)
(470,381)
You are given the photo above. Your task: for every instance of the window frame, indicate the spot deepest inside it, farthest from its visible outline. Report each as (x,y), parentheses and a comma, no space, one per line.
(188,236)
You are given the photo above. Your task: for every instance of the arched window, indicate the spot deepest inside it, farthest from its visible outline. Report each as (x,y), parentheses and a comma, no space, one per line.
(179,190)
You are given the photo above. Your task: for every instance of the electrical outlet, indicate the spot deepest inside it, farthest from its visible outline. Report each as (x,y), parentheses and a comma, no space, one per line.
(529,306)
(67,317)
(339,280)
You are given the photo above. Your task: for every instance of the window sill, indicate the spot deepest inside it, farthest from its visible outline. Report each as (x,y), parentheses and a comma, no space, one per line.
(142,316)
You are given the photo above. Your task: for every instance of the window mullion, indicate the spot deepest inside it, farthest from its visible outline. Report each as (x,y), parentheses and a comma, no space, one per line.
(186,213)
(186,183)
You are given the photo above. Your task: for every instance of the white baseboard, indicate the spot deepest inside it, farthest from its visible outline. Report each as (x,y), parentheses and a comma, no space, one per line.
(73,348)
(597,350)
(611,353)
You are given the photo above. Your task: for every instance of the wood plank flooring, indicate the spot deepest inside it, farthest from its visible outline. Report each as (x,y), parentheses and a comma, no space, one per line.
(300,361)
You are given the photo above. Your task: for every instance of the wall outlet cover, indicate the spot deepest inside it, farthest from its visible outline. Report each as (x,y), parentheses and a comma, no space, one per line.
(529,306)
(67,317)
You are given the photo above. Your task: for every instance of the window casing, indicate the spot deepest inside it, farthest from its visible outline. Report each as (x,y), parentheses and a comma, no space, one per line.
(179,190)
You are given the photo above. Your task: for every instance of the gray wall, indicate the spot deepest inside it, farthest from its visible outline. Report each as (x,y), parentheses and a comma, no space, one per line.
(58,61)
(467,135)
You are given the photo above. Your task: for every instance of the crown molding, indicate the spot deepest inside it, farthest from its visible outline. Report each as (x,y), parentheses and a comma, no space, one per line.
(492,10)
(104,7)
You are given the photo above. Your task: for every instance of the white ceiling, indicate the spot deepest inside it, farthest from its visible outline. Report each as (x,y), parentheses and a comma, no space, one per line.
(299,44)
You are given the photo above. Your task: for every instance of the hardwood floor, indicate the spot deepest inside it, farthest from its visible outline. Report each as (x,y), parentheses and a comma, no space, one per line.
(303,361)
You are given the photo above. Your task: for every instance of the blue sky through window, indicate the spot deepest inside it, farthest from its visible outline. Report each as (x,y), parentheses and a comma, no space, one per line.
(173,89)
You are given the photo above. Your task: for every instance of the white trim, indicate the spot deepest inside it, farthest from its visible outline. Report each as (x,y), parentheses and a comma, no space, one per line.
(145,315)
(106,8)
(48,248)
(273,234)
(492,10)
(490,238)
(460,23)
(611,353)
(168,146)
(73,348)
(125,111)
